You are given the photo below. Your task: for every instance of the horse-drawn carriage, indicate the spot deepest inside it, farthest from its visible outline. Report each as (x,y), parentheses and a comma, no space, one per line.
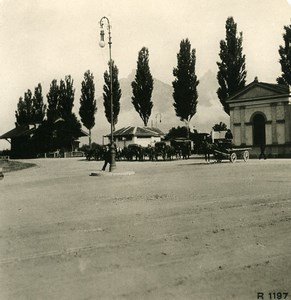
(223,149)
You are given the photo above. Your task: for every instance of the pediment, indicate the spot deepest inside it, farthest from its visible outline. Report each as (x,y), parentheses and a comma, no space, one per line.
(258,91)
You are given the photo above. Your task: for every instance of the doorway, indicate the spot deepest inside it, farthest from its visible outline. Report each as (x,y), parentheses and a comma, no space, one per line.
(259,130)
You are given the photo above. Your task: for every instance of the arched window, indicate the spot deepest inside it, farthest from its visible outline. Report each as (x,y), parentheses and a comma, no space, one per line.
(259,130)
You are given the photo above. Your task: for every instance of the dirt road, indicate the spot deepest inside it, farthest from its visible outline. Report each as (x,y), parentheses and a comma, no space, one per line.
(174,230)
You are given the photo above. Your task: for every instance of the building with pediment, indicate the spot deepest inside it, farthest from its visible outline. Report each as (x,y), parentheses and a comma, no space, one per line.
(260,114)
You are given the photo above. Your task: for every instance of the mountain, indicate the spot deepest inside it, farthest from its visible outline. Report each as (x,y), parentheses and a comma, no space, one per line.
(207,88)
(209,109)
(161,97)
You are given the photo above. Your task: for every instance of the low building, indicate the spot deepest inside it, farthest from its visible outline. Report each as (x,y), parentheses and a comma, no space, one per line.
(26,143)
(19,138)
(260,115)
(142,136)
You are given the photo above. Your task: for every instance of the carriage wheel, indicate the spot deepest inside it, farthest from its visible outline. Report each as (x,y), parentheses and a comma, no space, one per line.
(233,157)
(246,156)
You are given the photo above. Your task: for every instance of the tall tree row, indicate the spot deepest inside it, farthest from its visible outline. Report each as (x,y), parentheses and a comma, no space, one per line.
(142,87)
(185,84)
(61,126)
(231,74)
(31,109)
(62,123)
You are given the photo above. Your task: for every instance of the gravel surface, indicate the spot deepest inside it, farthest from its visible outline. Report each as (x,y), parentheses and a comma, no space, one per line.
(172,230)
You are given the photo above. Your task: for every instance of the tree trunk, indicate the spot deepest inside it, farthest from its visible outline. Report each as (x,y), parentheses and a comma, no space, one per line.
(90,142)
(188,128)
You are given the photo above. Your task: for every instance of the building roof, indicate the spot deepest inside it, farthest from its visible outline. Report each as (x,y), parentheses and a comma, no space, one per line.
(266,90)
(18,131)
(83,133)
(279,88)
(138,131)
(27,130)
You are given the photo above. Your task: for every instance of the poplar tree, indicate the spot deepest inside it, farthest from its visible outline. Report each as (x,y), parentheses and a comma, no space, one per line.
(67,94)
(24,109)
(30,108)
(232,74)
(116,94)
(88,106)
(285,57)
(142,87)
(185,84)
(69,127)
(31,111)
(53,99)
(39,108)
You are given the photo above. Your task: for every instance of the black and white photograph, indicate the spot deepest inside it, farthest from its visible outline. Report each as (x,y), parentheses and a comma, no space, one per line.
(145,149)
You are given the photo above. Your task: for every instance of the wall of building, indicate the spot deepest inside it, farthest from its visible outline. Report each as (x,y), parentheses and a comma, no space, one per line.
(142,141)
(277,123)
(276,109)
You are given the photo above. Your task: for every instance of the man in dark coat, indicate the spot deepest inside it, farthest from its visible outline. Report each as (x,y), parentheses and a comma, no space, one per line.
(107,157)
(228,135)
(228,138)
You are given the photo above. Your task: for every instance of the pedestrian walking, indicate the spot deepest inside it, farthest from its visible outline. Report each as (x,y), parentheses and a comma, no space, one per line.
(107,157)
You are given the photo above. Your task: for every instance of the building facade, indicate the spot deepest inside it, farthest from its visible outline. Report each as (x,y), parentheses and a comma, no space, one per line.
(142,136)
(260,115)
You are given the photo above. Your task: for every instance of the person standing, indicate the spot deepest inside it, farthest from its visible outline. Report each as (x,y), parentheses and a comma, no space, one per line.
(228,135)
(262,154)
(228,138)
(207,148)
(107,157)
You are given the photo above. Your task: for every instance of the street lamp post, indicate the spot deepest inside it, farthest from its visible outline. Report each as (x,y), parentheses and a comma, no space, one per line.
(102,45)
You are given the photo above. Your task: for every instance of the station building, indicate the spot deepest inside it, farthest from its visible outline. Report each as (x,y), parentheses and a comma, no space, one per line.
(260,114)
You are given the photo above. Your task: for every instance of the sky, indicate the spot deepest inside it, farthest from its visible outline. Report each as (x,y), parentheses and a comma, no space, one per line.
(42,40)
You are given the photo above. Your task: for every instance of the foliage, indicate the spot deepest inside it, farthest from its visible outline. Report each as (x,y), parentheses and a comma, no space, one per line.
(88,106)
(220,127)
(60,128)
(53,98)
(94,146)
(24,109)
(30,109)
(185,84)
(232,74)
(116,93)
(66,97)
(285,58)
(142,87)
(179,132)
(39,108)
(62,125)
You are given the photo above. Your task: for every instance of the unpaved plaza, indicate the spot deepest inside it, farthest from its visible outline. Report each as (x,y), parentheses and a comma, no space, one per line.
(174,230)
